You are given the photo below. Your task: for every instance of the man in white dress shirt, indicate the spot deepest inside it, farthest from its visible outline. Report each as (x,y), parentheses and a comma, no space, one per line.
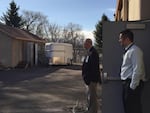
(132,73)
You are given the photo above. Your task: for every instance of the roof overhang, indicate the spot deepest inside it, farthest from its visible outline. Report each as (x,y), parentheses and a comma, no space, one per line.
(30,40)
(118,9)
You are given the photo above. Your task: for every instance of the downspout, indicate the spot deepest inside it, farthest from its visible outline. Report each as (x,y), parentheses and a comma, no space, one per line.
(35,54)
(127,10)
(140,8)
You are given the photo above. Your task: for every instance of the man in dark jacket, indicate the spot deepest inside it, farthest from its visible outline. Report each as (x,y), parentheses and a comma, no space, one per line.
(91,75)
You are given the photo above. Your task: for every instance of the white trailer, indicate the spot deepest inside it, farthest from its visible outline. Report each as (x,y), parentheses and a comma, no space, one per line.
(59,53)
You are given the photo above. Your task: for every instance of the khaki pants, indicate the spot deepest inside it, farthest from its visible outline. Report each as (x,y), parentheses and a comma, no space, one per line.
(92,98)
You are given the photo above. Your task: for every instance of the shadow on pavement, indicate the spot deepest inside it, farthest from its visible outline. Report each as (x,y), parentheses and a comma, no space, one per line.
(17,75)
(72,67)
(40,89)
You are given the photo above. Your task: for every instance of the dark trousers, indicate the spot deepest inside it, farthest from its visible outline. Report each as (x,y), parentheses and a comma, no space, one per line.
(132,98)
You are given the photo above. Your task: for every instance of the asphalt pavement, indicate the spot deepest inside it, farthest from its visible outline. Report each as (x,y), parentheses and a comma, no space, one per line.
(53,89)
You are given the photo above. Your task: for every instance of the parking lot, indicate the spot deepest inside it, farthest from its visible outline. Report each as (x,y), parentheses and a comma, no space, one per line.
(54,89)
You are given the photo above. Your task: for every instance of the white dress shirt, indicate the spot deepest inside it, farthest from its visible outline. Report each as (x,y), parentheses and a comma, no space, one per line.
(133,66)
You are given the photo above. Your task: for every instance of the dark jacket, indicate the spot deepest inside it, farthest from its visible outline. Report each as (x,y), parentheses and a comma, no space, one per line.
(90,67)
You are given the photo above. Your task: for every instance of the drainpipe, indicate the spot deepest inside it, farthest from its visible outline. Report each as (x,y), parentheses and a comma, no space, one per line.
(127,10)
(140,8)
(36,54)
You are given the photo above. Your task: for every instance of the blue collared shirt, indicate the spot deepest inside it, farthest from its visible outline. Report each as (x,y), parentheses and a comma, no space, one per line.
(133,66)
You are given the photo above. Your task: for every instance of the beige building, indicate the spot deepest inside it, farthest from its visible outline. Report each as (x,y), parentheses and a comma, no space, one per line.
(132,10)
(18,46)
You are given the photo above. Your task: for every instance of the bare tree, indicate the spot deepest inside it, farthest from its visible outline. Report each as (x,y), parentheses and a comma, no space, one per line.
(54,32)
(66,35)
(35,22)
(72,34)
